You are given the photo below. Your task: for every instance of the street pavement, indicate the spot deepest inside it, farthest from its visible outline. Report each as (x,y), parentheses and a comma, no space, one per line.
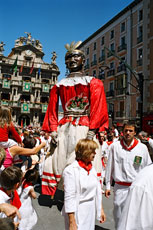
(50,218)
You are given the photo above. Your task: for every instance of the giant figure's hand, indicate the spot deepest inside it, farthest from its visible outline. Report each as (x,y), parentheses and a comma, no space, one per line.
(54,137)
(91,134)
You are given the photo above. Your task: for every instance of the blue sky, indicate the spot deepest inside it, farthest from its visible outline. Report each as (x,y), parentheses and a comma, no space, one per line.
(55,23)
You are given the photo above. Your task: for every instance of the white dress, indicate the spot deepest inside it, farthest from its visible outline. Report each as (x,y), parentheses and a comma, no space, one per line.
(28,214)
(82,196)
(138,210)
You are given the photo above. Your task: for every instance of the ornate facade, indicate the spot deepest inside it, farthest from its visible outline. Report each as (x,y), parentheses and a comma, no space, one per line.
(26,80)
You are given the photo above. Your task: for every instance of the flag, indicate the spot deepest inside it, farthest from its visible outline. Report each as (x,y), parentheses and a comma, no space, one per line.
(14,66)
(21,123)
(21,68)
(39,70)
(31,70)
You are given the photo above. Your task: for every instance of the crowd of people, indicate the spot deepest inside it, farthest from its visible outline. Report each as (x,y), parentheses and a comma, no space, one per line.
(123,154)
(79,155)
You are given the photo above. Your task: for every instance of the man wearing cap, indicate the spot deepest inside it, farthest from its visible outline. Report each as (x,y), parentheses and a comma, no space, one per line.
(85,112)
(126,158)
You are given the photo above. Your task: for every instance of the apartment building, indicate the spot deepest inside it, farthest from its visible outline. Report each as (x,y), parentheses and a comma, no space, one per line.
(26,80)
(120,54)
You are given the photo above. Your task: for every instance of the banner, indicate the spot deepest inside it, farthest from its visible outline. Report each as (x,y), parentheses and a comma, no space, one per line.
(44,108)
(26,86)
(6,84)
(45,88)
(25,108)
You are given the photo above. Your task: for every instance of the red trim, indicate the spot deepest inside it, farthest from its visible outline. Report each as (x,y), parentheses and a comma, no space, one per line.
(131,147)
(51,175)
(98,174)
(123,183)
(48,190)
(109,142)
(49,181)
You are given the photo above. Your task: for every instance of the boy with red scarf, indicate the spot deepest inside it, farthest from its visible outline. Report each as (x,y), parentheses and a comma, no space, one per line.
(126,158)
(10,179)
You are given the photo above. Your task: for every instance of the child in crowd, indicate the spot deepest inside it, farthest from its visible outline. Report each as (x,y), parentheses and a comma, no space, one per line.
(7,224)
(28,214)
(10,179)
(6,127)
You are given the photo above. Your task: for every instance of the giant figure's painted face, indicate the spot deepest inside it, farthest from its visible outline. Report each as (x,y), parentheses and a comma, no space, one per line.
(74,61)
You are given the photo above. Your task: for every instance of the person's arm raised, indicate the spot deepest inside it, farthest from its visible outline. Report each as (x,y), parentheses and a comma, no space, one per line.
(17,150)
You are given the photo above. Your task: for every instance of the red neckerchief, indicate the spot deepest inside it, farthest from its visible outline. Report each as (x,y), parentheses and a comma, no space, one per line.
(131,147)
(109,142)
(26,184)
(86,167)
(15,199)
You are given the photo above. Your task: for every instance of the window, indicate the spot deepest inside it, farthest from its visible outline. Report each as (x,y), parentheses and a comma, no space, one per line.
(140,31)
(94,57)
(103,40)
(87,61)
(122,27)
(140,53)
(112,65)
(95,45)
(111,86)
(123,40)
(112,47)
(140,15)
(102,53)
(112,34)
(87,51)
(94,73)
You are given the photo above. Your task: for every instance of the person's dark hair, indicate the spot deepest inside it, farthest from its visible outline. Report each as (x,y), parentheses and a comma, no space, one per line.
(29,142)
(31,175)
(6,224)
(10,176)
(130,123)
(84,148)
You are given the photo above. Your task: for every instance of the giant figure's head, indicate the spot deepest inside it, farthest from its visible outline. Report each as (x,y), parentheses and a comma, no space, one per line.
(74,58)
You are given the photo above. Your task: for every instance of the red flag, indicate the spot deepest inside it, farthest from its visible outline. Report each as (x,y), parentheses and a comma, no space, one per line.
(21,68)
(22,123)
(31,70)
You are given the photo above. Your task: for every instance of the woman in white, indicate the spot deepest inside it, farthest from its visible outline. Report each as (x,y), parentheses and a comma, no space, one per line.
(83,198)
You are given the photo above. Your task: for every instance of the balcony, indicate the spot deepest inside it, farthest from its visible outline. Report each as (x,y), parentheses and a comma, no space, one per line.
(139,39)
(120,114)
(122,47)
(94,63)
(110,93)
(120,91)
(111,72)
(110,53)
(102,58)
(121,67)
(139,62)
(86,67)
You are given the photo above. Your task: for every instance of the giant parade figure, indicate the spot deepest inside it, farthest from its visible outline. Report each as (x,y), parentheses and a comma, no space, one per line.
(85,113)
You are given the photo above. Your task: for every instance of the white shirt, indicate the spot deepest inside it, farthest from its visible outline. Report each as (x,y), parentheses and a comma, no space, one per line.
(121,166)
(138,210)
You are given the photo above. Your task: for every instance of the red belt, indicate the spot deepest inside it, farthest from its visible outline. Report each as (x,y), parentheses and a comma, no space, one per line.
(123,183)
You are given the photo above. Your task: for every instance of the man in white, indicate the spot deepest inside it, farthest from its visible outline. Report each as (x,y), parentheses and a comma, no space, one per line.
(138,210)
(126,158)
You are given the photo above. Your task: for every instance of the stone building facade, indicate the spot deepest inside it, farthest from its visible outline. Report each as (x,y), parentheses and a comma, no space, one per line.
(119,54)
(26,80)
